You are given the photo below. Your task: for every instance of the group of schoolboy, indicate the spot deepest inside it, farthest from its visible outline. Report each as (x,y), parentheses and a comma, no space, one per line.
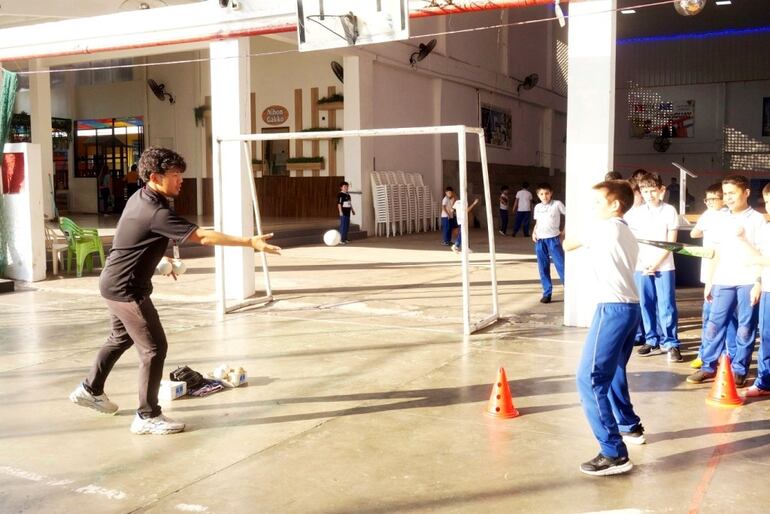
(635,283)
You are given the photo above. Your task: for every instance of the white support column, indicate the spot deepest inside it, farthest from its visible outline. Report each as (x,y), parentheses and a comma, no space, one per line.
(230,87)
(40,119)
(590,129)
(358,153)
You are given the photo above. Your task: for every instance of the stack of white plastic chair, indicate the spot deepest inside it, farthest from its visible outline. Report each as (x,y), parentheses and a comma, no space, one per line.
(381,201)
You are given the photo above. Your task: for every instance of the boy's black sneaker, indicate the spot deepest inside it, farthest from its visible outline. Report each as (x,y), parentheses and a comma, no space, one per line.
(740,380)
(674,355)
(601,466)
(636,436)
(545,299)
(700,376)
(647,350)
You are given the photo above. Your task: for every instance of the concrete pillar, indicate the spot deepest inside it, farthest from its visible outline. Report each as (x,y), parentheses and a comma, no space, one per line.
(590,130)
(230,87)
(40,119)
(358,153)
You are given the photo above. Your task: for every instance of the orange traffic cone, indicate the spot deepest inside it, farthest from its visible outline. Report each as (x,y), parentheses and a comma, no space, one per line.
(500,402)
(723,392)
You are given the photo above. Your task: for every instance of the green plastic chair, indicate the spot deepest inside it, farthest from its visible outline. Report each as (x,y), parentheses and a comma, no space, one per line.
(82,243)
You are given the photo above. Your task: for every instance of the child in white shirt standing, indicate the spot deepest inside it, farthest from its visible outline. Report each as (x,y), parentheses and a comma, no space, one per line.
(504,210)
(734,281)
(448,222)
(522,206)
(655,276)
(706,227)
(547,237)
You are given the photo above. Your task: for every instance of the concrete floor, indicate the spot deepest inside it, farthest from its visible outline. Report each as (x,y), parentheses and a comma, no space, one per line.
(362,397)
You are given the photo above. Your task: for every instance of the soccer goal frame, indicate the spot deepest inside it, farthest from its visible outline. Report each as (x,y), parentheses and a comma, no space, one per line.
(461,131)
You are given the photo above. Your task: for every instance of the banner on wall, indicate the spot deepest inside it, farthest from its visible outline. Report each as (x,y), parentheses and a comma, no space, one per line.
(672,119)
(496,122)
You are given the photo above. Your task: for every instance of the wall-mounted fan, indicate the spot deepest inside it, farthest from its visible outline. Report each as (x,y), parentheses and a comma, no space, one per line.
(338,71)
(529,82)
(159,90)
(661,144)
(422,52)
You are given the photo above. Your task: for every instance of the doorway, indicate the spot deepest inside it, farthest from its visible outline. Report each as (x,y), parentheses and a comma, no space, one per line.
(275,153)
(105,149)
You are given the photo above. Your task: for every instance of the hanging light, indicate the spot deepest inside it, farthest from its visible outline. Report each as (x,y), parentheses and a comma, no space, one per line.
(689,7)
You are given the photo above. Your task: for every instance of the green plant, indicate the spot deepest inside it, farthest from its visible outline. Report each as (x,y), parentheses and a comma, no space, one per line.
(302,160)
(337,97)
(199,113)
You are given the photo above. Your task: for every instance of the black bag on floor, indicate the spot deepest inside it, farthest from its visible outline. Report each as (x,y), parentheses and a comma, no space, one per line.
(192,378)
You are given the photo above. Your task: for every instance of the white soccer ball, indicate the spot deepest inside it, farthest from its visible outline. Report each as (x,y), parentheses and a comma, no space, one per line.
(332,238)
(163,268)
(178,267)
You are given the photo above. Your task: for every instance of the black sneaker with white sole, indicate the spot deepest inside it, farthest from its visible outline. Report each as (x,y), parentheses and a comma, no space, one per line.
(674,355)
(647,349)
(635,436)
(602,466)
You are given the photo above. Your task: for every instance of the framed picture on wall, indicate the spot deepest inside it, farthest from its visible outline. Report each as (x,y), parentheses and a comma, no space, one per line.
(496,122)
(766,117)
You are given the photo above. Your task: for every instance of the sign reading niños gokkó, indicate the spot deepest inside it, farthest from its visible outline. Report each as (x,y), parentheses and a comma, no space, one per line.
(275,115)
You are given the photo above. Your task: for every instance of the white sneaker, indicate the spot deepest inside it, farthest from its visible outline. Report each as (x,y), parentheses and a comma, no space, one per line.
(159,425)
(80,396)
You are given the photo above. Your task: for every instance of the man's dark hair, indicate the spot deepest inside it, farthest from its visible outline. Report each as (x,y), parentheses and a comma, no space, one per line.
(525,184)
(544,185)
(159,160)
(449,188)
(613,175)
(343,183)
(650,180)
(504,188)
(619,190)
(716,189)
(638,173)
(736,180)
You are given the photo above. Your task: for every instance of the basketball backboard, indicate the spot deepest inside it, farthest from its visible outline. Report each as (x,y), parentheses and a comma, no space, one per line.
(323,24)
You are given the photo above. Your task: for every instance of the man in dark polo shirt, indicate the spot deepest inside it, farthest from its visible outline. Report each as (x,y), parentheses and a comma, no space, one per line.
(141,238)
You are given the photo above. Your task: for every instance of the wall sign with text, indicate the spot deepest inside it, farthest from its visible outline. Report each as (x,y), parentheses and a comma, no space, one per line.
(275,115)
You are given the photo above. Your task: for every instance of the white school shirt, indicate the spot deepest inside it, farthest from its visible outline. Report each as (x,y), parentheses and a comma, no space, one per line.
(708,224)
(653,223)
(732,268)
(460,211)
(503,201)
(613,252)
(764,248)
(525,200)
(547,218)
(446,203)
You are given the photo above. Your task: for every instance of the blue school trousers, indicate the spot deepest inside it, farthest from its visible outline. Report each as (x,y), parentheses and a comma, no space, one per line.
(732,328)
(658,302)
(522,218)
(503,220)
(545,250)
(725,298)
(763,359)
(344,227)
(601,375)
(447,225)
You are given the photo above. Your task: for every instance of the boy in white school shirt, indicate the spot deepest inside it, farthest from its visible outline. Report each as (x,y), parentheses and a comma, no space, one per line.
(654,274)
(601,375)
(705,228)
(761,385)
(547,237)
(734,281)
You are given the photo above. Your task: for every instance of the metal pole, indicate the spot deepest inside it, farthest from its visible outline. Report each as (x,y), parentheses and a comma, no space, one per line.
(257,218)
(218,223)
(490,228)
(461,151)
